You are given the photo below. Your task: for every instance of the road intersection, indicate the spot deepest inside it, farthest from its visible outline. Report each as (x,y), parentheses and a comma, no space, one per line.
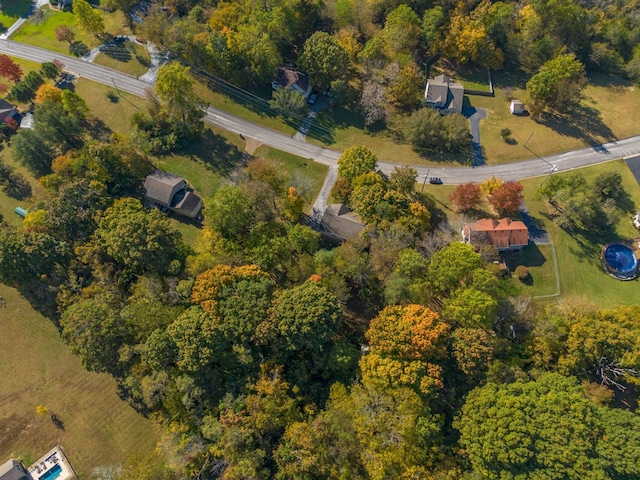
(535,167)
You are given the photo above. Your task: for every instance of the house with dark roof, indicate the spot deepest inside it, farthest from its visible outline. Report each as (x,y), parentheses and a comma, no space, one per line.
(165,190)
(504,234)
(338,223)
(12,470)
(290,78)
(443,94)
(7,110)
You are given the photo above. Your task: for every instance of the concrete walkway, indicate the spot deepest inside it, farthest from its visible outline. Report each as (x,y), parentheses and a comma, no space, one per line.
(320,204)
(36,5)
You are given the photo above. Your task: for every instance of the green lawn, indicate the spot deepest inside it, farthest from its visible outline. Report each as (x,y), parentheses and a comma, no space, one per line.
(39,30)
(250,109)
(340,128)
(37,369)
(602,116)
(581,274)
(114,108)
(306,172)
(540,261)
(12,10)
(127,57)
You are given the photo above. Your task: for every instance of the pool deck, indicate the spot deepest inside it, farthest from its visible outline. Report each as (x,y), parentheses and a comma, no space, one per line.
(49,460)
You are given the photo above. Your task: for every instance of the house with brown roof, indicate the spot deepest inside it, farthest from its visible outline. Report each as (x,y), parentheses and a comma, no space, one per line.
(291,78)
(443,94)
(338,223)
(166,190)
(7,110)
(504,234)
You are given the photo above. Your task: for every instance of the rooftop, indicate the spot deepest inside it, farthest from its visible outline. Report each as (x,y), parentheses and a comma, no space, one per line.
(52,465)
(287,77)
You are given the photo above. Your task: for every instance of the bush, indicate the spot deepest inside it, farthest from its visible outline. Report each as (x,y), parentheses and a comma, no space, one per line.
(522,272)
(505,132)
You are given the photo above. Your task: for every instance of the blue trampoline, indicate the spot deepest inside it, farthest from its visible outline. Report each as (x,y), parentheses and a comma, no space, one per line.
(619,261)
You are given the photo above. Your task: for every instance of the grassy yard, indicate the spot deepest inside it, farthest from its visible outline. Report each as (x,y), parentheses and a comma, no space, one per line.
(127,57)
(12,10)
(310,173)
(578,258)
(39,30)
(602,116)
(250,109)
(340,128)
(98,428)
(114,108)
(581,274)
(540,261)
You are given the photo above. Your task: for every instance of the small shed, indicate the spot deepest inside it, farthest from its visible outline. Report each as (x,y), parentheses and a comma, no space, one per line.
(517,107)
(21,211)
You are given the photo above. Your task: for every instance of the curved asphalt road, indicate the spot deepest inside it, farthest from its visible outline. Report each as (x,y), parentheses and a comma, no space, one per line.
(453,175)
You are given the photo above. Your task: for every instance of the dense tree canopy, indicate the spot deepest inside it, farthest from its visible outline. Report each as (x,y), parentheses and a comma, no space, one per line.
(545,427)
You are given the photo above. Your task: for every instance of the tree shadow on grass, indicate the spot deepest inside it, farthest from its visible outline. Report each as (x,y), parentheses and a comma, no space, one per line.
(589,244)
(581,121)
(215,152)
(78,49)
(529,256)
(118,51)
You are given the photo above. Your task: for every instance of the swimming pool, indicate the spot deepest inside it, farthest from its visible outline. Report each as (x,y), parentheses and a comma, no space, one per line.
(620,261)
(53,473)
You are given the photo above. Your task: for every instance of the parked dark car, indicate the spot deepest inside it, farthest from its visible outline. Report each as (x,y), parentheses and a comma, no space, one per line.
(313,97)
(435,180)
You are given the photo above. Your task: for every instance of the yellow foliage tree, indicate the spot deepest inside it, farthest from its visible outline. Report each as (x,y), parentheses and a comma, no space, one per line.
(36,221)
(48,92)
(490,185)
(293,205)
(404,345)
(348,39)
(207,285)
(42,410)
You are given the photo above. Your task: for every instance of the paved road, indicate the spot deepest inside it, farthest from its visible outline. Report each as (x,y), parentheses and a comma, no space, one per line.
(453,175)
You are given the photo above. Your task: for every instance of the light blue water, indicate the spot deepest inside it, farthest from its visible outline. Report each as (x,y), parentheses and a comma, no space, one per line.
(53,473)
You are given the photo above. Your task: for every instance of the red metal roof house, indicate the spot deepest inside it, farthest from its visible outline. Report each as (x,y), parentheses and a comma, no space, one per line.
(504,234)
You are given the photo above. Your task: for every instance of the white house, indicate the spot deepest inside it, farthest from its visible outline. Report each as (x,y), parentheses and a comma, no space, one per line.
(291,78)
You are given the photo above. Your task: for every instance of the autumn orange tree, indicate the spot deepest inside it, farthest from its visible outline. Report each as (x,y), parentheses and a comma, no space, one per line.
(466,196)
(405,345)
(507,198)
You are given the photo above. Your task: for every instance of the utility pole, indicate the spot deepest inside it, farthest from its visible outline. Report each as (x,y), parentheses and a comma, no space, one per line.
(425,179)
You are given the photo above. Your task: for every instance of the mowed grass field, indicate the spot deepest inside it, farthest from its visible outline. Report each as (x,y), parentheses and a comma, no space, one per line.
(11,11)
(39,30)
(115,108)
(250,110)
(98,428)
(581,273)
(605,113)
(127,57)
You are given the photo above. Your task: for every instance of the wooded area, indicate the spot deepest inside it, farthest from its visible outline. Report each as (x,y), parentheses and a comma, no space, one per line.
(266,352)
